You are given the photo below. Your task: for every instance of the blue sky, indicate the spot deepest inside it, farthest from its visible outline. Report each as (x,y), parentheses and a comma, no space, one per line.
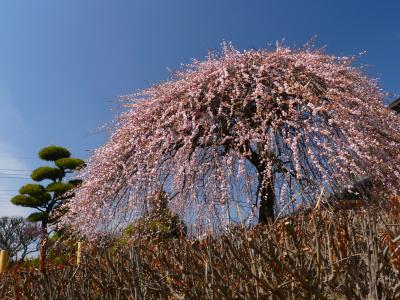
(64,63)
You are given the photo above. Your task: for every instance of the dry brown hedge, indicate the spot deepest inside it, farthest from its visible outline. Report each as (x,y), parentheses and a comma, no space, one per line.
(317,255)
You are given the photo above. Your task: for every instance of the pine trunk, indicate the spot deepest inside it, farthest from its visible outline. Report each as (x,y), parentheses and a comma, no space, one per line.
(43,249)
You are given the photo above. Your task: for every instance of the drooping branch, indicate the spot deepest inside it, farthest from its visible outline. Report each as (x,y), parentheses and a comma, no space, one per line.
(270,125)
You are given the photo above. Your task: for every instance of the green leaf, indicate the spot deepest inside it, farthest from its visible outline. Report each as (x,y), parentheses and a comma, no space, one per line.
(27,201)
(37,216)
(59,188)
(52,153)
(56,235)
(45,197)
(32,189)
(42,173)
(69,163)
(20,200)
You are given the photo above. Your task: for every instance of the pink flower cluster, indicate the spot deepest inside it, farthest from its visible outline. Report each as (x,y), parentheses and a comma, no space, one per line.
(312,120)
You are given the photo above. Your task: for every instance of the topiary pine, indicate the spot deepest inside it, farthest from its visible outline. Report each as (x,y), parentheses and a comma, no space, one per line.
(47,198)
(53,153)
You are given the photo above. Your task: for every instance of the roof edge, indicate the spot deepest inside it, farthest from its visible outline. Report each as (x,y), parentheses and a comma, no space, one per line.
(394,104)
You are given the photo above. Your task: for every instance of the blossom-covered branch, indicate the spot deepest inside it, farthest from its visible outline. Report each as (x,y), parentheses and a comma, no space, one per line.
(241,136)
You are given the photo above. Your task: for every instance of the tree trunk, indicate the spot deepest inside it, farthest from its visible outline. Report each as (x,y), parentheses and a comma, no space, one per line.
(43,249)
(267,199)
(265,190)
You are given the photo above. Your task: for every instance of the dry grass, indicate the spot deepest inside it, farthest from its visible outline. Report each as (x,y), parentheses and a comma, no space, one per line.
(319,255)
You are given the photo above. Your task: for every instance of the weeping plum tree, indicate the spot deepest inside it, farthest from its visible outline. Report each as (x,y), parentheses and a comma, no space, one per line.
(260,131)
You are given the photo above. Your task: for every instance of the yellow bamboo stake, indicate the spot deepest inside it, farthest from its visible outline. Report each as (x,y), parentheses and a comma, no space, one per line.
(3,261)
(78,253)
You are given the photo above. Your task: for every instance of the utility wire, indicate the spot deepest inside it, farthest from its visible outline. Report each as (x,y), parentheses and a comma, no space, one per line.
(10,177)
(18,175)
(17,170)
(18,157)
(13,174)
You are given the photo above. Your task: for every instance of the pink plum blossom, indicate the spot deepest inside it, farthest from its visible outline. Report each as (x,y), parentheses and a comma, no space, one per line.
(238,137)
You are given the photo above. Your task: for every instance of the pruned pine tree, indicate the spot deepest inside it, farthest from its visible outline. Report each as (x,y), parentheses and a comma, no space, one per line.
(54,191)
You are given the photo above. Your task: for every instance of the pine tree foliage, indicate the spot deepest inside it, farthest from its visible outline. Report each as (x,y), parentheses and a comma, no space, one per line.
(47,198)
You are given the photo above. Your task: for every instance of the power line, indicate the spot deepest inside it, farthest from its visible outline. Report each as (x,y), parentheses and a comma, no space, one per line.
(12,174)
(17,170)
(13,171)
(19,175)
(12,177)
(18,157)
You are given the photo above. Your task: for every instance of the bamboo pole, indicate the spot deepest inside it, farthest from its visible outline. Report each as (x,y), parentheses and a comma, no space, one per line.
(78,253)
(3,261)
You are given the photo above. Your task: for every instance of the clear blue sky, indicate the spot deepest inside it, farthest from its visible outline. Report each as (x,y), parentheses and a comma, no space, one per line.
(64,62)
